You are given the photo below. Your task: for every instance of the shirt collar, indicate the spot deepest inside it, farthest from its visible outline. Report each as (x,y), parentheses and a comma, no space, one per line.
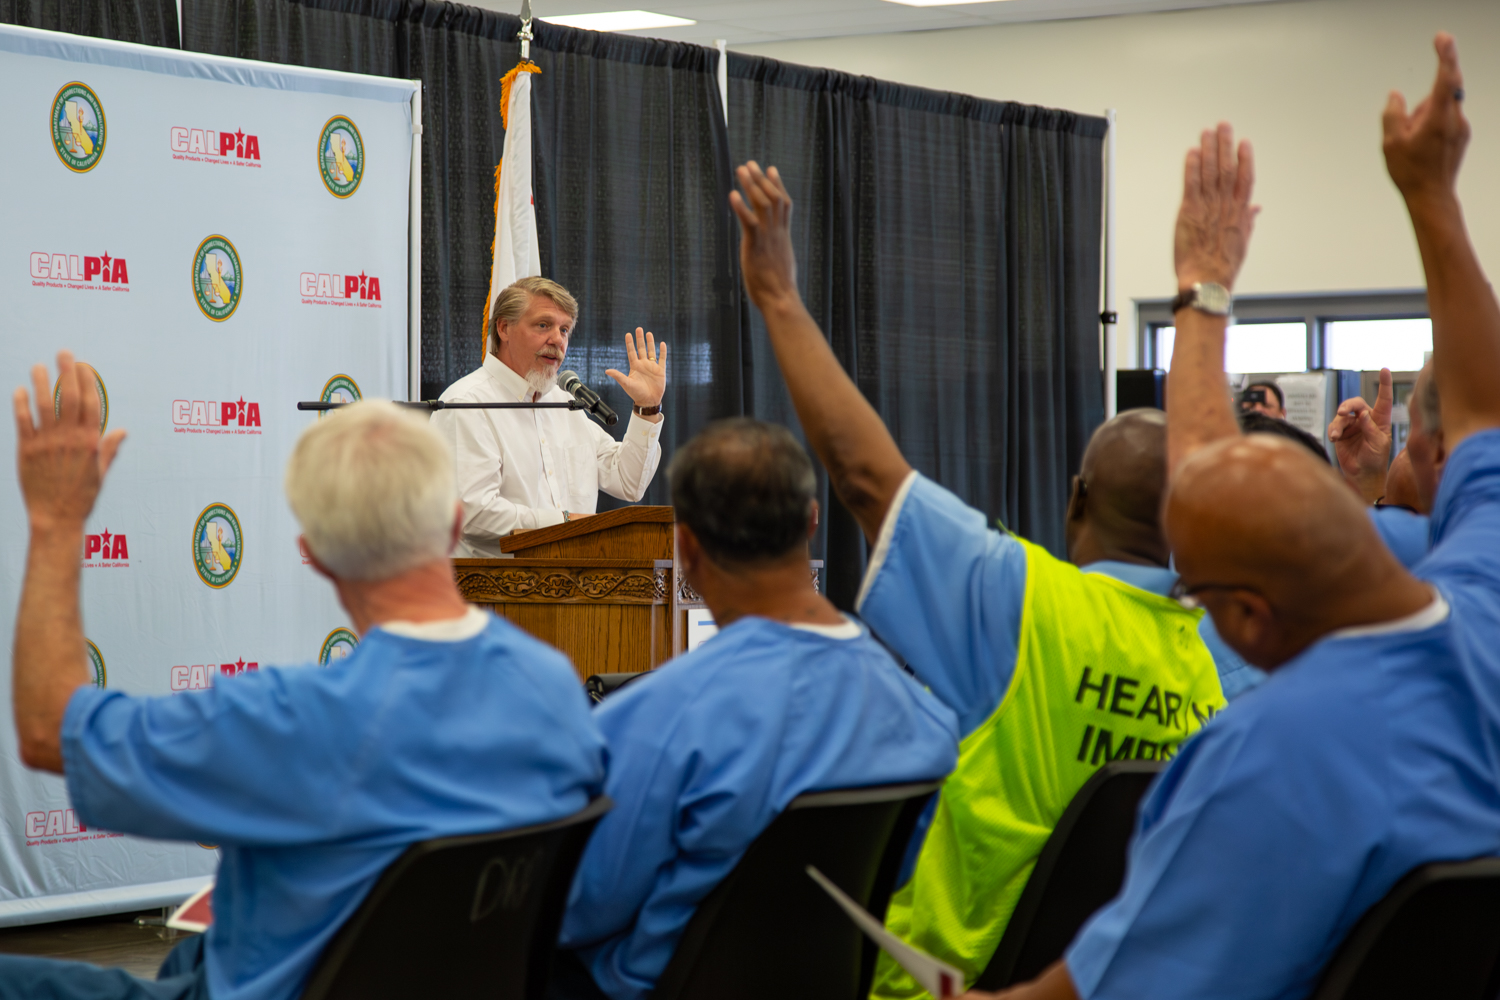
(512,385)
(1153,579)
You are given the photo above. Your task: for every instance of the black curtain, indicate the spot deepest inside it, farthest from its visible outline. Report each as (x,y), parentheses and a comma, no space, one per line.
(950,249)
(148,22)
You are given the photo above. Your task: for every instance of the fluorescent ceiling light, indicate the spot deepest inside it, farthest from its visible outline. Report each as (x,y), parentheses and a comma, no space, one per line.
(620,20)
(937,3)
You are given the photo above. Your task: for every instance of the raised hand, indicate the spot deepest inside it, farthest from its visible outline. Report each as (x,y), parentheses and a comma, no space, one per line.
(647,381)
(60,456)
(1424,149)
(1361,435)
(1216,217)
(766,259)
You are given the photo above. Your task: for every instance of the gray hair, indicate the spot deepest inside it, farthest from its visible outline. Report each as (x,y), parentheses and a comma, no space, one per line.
(374,490)
(1424,398)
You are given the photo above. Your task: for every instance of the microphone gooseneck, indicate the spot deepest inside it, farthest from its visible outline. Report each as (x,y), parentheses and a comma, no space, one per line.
(572,384)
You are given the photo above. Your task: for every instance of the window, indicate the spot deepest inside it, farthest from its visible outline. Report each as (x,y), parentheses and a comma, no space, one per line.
(1363,331)
(1402,345)
(1250,347)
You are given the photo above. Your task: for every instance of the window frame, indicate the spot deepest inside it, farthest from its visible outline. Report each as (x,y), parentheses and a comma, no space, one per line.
(1315,310)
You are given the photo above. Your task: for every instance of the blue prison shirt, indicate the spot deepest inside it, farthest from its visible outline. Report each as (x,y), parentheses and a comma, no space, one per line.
(313,780)
(710,748)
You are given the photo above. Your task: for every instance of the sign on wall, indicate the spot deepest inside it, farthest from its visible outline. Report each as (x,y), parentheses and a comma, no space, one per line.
(217,239)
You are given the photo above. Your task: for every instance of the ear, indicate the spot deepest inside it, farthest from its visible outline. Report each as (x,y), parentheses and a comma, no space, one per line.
(457,531)
(1439,450)
(689,552)
(1077,499)
(812,520)
(318,567)
(1246,621)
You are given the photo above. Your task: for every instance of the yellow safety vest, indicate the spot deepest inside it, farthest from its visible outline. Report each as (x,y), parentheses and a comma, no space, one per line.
(1104,671)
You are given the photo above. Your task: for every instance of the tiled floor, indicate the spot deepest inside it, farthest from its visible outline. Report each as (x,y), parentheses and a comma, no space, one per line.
(113,940)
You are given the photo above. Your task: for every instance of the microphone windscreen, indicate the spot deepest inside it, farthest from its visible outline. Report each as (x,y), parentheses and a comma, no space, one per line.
(568,379)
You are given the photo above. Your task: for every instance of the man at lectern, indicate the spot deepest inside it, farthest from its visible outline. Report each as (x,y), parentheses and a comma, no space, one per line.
(521,469)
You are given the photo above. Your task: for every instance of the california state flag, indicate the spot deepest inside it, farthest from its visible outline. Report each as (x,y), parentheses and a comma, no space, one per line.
(515,247)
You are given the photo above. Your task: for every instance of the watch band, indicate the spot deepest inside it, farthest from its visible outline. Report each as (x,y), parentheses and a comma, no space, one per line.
(648,411)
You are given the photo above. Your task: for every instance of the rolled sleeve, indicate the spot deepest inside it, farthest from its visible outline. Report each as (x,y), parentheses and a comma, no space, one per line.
(946,592)
(626,467)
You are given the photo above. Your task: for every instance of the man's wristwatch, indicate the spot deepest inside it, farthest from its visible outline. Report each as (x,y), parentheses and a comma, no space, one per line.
(648,411)
(1204,296)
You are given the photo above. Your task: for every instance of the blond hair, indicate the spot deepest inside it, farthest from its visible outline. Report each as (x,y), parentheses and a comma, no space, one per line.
(374,490)
(512,302)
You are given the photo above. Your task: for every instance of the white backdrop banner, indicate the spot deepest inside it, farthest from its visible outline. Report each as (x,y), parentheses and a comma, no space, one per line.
(217,239)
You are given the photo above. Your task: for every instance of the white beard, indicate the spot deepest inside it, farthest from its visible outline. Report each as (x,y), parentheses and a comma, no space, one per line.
(540,382)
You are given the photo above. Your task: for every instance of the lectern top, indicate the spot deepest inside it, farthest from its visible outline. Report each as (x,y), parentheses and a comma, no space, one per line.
(637,514)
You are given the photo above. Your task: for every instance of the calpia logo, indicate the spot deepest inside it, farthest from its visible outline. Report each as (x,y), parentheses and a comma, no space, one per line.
(218,545)
(79,271)
(96,664)
(210,416)
(331,289)
(78,127)
(98,388)
(200,676)
(340,643)
(339,389)
(218,280)
(53,823)
(106,549)
(205,145)
(341,156)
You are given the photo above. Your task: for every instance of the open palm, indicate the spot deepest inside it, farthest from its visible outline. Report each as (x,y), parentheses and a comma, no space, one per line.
(647,381)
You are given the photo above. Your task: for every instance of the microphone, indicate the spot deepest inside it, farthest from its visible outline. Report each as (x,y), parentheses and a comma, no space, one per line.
(571,383)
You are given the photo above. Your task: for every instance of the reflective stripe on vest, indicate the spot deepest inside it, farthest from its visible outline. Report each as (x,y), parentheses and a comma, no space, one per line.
(1104,671)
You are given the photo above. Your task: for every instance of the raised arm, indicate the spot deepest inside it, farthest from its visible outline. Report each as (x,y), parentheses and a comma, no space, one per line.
(863,462)
(1213,232)
(62,461)
(1423,151)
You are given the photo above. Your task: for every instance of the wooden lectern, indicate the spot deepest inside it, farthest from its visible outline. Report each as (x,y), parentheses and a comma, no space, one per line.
(603,589)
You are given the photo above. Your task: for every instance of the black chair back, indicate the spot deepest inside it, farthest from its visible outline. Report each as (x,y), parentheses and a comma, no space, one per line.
(1081,867)
(601,686)
(1436,934)
(769,930)
(473,917)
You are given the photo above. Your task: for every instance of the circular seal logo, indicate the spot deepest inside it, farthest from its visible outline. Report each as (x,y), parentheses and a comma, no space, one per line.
(78,127)
(98,387)
(217,278)
(339,389)
(96,664)
(339,644)
(341,156)
(217,545)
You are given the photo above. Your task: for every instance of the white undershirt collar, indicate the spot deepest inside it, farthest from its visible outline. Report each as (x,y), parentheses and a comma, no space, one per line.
(848,630)
(1429,616)
(466,626)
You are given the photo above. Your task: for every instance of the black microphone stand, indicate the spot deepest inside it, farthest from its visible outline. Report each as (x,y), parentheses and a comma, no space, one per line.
(433,405)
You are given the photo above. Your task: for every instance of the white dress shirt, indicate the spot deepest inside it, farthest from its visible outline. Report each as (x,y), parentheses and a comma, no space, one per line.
(520,469)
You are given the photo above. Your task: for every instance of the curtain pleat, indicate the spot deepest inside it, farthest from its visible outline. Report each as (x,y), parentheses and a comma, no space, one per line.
(147,22)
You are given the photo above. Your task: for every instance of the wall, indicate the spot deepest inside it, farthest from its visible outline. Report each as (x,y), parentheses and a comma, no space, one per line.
(1305,81)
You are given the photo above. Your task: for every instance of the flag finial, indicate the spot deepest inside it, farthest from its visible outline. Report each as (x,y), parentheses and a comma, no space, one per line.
(525,34)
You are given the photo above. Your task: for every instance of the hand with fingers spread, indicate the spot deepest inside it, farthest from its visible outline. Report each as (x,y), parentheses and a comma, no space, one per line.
(766,257)
(60,456)
(647,381)
(1424,149)
(1216,217)
(1361,435)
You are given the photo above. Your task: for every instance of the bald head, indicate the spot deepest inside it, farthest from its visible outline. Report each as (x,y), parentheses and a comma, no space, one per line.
(1116,504)
(1273,543)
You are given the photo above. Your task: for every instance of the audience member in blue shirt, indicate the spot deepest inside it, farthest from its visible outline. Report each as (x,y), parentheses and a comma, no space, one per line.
(444,721)
(789,697)
(1368,752)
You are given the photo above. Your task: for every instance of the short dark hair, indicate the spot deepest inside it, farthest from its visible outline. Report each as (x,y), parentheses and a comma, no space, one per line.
(1256,422)
(745,489)
(1280,396)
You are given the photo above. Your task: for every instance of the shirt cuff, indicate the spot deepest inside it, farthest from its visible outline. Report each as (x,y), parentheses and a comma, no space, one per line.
(75,766)
(883,542)
(650,430)
(547,518)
